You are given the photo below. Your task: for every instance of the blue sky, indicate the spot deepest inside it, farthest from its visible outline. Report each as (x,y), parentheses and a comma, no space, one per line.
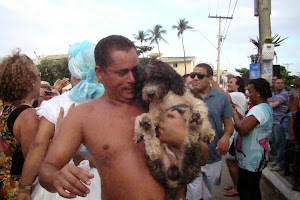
(49,27)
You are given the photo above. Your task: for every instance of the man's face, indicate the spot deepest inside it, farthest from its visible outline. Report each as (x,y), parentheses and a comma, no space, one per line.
(232,86)
(118,77)
(201,84)
(188,81)
(274,78)
(279,85)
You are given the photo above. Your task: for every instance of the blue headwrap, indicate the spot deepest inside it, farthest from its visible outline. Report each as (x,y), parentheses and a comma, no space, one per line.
(82,66)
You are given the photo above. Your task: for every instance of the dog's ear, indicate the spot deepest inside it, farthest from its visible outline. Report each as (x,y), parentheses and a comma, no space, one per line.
(178,86)
(140,77)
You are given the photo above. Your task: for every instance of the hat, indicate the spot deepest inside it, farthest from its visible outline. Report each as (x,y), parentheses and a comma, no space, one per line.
(82,66)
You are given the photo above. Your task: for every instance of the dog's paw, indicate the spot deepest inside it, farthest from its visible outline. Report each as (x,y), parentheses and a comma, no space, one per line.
(138,138)
(209,137)
(145,123)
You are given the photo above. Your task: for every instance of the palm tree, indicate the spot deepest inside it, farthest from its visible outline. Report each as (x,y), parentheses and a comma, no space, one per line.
(182,26)
(156,35)
(142,36)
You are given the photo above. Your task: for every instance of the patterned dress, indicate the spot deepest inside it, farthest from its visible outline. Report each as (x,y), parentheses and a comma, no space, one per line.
(9,146)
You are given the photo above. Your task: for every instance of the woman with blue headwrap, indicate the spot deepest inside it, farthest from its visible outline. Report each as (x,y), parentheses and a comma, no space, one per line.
(85,87)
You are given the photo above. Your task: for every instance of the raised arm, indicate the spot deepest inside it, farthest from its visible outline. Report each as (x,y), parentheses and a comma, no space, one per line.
(244,126)
(54,174)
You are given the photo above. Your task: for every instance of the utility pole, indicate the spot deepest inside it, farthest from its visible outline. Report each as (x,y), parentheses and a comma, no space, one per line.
(219,44)
(264,13)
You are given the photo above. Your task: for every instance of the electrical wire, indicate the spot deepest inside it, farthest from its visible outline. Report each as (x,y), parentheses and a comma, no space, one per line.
(227,16)
(205,38)
(229,23)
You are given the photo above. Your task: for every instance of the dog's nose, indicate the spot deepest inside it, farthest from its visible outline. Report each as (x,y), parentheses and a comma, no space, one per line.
(151,94)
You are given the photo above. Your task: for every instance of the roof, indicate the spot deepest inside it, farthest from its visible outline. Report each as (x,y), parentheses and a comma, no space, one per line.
(54,57)
(178,59)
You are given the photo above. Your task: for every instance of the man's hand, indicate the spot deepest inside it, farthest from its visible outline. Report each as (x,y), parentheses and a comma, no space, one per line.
(223,145)
(172,129)
(71,181)
(23,195)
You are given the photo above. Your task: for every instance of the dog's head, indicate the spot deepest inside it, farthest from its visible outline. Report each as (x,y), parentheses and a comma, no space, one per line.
(156,79)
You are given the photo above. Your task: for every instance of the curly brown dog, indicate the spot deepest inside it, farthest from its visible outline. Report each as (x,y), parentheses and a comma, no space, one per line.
(164,90)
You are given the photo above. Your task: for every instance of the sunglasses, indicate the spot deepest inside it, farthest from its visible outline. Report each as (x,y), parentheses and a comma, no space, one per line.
(199,75)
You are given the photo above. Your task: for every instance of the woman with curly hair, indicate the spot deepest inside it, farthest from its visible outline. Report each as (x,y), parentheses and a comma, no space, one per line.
(19,85)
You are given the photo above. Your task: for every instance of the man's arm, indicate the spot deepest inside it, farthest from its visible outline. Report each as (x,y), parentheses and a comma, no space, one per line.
(274,104)
(54,175)
(293,108)
(223,143)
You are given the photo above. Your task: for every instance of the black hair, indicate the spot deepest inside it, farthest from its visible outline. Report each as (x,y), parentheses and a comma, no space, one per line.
(241,83)
(105,46)
(207,67)
(262,86)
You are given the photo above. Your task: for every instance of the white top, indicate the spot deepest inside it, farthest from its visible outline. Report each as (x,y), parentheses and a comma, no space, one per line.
(240,102)
(50,109)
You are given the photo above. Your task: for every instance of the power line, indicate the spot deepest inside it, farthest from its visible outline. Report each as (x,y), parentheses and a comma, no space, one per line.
(227,16)
(205,38)
(229,22)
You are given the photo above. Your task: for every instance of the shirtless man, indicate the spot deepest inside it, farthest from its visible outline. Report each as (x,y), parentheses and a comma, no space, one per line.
(106,127)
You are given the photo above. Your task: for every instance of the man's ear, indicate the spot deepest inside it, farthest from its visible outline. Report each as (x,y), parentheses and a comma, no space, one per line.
(99,73)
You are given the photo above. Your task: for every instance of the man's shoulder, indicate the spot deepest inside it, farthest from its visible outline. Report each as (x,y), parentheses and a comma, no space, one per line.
(217,93)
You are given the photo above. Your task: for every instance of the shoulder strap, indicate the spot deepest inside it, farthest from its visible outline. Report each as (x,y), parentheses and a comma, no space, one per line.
(14,115)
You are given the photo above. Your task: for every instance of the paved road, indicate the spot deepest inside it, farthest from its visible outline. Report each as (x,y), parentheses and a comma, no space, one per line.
(268,191)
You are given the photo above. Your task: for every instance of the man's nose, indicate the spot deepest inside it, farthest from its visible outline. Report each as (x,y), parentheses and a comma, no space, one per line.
(131,77)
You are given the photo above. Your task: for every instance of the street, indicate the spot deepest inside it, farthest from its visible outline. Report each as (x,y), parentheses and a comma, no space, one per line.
(268,191)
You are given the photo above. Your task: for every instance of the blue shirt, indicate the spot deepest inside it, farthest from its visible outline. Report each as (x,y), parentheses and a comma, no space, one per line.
(219,108)
(253,153)
(280,111)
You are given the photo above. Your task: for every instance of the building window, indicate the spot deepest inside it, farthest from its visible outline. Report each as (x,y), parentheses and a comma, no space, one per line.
(174,65)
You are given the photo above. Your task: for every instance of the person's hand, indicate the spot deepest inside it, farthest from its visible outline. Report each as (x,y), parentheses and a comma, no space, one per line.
(61,116)
(71,181)
(172,129)
(42,93)
(55,92)
(23,195)
(59,84)
(223,145)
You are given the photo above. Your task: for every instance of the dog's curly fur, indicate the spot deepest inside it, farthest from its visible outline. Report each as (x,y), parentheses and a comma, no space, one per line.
(161,89)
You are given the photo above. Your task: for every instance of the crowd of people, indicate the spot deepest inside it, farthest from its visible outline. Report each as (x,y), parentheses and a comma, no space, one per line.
(75,139)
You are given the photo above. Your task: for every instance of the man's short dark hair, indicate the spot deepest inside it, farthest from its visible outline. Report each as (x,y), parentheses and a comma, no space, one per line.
(208,68)
(262,86)
(241,83)
(106,45)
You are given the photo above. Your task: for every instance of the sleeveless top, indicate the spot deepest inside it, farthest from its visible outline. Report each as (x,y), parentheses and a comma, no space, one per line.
(11,157)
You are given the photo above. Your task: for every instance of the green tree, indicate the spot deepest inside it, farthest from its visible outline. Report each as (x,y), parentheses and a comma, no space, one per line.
(181,26)
(51,70)
(142,36)
(156,35)
(143,49)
